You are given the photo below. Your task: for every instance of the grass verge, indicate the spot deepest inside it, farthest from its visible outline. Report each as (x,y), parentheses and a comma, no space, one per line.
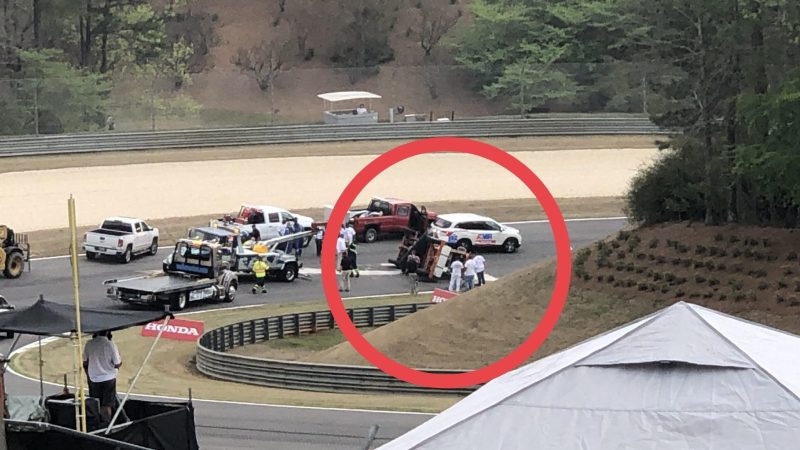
(171,371)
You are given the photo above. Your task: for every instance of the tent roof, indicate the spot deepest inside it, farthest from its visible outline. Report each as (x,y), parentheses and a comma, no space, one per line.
(45,318)
(667,375)
(347,95)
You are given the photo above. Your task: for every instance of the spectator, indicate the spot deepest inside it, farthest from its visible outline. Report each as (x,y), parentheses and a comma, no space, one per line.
(318,239)
(346,268)
(456,270)
(350,233)
(101,361)
(361,109)
(480,267)
(289,229)
(298,243)
(469,273)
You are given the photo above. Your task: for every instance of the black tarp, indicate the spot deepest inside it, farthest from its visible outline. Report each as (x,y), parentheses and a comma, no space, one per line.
(45,318)
(156,425)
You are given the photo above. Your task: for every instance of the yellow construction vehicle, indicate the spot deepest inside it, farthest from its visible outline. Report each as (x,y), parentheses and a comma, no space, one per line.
(15,251)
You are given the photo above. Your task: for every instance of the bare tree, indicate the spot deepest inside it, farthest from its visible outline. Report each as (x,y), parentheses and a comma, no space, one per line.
(436,19)
(264,61)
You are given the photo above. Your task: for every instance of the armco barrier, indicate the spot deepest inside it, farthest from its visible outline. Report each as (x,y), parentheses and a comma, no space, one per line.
(545,125)
(213,360)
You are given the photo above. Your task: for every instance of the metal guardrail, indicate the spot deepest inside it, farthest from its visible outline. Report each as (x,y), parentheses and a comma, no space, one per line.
(546,125)
(213,360)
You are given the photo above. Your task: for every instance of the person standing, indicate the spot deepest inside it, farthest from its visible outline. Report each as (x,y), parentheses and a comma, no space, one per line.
(456,270)
(469,273)
(353,254)
(289,229)
(350,233)
(347,269)
(260,268)
(318,239)
(341,248)
(298,243)
(480,268)
(101,361)
(411,267)
(255,234)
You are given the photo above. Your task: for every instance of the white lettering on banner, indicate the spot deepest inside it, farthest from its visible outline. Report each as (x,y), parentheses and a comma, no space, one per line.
(172,329)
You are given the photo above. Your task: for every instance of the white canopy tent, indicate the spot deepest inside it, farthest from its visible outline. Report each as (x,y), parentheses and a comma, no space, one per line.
(683,378)
(334,97)
(348,116)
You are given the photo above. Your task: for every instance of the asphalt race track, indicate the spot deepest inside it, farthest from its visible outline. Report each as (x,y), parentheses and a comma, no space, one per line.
(223,425)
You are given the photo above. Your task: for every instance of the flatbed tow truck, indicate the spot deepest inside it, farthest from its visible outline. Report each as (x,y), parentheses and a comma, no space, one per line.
(195,273)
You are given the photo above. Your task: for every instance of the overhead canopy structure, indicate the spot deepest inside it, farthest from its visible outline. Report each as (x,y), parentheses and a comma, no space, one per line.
(348,95)
(683,378)
(45,318)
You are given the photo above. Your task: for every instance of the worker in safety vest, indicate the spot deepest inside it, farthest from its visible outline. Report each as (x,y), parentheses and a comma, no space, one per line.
(260,268)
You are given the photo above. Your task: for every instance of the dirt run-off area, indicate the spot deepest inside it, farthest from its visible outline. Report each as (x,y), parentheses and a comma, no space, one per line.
(191,188)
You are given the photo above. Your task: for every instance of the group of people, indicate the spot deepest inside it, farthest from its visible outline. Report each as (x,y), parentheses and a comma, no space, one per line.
(463,274)
(347,256)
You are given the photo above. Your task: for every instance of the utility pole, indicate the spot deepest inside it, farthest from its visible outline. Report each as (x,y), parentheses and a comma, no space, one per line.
(36,106)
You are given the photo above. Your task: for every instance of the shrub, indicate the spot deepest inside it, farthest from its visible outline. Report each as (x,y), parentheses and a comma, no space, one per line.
(699,264)
(686,262)
(676,261)
(640,270)
(618,283)
(669,277)
(736,253)
(679,293)
(710,265)
(782,284)
(763,286)
(623,235)
(642,286)
(765,242)
(759,256)
(699,279)
(700,250)
(634,242)
(630,283)
(683,248)
(722,253)
(771,257)
(787,270)
(793,302)
(733,239)
(602,261)
(610,278)
(582,256)
(713,251)
(737,285)
(651,257)
(792,256)
(721,267)
(739,296)
(664,288)
(748,253)
(601,245)
(653,243)
(797,286)
(672,244)
(708,294)
(586,276)
(615,244)
(719,237)
(657,276)
(723,296)
(641,256)
(779,298)
(620,255)
(619,266)
(713,282)
(629,267)
(694,295)
(601,278)
(737,268)
(661,259)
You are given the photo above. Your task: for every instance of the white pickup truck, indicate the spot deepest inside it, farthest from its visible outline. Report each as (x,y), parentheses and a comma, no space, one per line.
(121,237)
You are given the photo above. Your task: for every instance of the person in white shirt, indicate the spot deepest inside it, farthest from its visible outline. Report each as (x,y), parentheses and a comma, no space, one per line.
(318,238)
(341,248)
(480,268)
(100,361)
(469,273)
(456,269)
(361,109)
(349,233)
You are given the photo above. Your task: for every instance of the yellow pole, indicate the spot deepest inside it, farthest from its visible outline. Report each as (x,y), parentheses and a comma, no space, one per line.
(76,288)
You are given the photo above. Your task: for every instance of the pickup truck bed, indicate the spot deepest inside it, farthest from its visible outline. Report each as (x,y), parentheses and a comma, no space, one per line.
(110,232)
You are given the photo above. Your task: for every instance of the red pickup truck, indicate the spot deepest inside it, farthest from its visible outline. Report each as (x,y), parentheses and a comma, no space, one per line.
(389,216)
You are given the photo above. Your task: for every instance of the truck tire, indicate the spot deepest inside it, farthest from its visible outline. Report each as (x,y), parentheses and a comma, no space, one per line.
(91,256)
(231,294)
(127,256)
(15,265)
(370,235)
(510,245)
(154,247)
(289,272)
(179,301)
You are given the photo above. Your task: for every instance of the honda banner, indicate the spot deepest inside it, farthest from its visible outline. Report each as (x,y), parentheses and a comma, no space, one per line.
(177,329)
(441,295)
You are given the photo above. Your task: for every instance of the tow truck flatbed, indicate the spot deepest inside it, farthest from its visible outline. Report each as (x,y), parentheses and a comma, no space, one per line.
(162,283)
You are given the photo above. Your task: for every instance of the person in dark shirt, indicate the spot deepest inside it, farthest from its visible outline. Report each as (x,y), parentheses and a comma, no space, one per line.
(412,265)
(255,234)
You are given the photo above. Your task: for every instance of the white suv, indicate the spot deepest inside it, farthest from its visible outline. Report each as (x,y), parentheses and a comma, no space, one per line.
(471,230)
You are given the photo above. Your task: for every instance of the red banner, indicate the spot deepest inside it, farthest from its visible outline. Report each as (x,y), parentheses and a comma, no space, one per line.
(441,295)
(177,329)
